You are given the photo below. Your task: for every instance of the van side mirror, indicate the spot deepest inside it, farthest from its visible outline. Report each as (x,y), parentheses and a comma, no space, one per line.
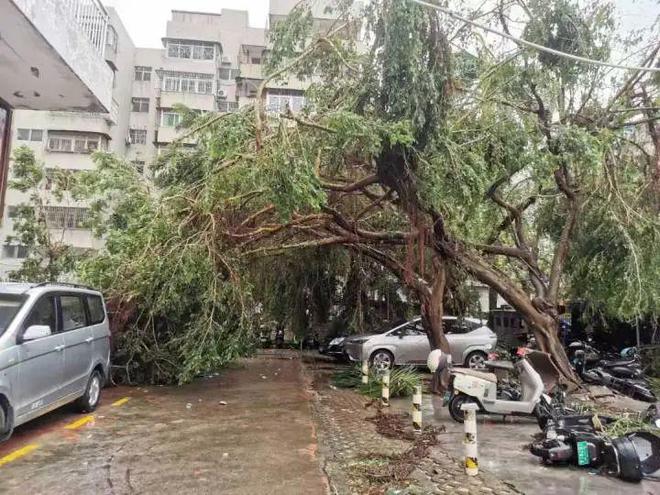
(36,332)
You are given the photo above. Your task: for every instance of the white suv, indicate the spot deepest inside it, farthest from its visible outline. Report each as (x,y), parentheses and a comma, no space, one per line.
(54,349)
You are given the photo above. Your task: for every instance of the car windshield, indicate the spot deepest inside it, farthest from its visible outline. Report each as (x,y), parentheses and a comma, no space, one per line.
(9,306)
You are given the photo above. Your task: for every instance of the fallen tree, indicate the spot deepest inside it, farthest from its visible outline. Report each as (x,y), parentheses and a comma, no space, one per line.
(506,166)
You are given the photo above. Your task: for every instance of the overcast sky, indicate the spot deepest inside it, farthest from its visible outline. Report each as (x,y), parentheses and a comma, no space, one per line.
(146,19)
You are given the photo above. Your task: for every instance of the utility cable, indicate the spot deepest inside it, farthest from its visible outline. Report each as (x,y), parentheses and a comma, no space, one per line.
(531,44)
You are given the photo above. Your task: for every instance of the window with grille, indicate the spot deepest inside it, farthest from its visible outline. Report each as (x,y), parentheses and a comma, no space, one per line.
(142,73)
(66,217)
(138,136)
(14,251)
(140,105)
(227,74)
(279,101)
(74,143)
(227,106)
(63,177)
(170,119)
(195,51)
(185,82)
(30,135)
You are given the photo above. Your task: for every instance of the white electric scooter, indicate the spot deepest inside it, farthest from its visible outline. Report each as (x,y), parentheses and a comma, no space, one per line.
(468,385)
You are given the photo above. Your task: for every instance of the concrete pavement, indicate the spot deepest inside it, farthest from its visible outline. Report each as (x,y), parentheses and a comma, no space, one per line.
(177,440)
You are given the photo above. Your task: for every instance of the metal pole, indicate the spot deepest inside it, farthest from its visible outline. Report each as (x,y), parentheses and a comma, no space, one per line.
(365,372)
(385,396)
(470,440)
(417,409)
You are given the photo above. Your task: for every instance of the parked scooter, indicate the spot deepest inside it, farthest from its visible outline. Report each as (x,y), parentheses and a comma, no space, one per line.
(622,375)
(537,376)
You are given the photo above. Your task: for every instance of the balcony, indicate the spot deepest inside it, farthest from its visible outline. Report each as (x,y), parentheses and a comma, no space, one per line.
(52,55)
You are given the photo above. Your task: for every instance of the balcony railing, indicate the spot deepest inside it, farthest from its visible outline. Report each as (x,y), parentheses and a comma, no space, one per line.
(92,18)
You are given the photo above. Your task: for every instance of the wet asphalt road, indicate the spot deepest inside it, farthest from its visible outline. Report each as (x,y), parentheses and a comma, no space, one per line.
(176,440)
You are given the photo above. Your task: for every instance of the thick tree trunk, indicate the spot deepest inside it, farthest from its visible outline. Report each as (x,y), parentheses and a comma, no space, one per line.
(433,310)
(541,321)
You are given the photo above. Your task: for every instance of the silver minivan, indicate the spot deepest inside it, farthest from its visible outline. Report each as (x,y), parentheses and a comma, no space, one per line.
(54,349)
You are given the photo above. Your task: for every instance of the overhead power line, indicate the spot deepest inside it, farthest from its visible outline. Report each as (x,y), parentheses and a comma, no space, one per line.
(531,44)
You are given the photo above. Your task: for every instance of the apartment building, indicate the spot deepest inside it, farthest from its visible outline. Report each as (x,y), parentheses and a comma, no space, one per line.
(65,140)
(209,62)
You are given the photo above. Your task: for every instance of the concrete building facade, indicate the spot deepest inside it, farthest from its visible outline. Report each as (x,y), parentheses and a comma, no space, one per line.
(210,62)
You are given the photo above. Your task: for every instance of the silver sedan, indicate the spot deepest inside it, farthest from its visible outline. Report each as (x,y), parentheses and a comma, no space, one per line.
(470,341)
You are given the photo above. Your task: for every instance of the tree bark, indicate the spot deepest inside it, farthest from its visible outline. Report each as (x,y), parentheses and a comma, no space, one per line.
(432,307)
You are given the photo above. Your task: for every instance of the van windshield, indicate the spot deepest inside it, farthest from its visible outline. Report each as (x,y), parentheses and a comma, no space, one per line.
(9,306)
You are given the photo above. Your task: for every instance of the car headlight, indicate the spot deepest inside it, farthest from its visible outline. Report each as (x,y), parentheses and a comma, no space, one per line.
(337,340)
(360,340)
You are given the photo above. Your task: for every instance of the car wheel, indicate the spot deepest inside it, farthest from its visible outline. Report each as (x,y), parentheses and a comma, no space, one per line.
(455,404)
(382,360)
(476,360)
(5,428)
(89,402)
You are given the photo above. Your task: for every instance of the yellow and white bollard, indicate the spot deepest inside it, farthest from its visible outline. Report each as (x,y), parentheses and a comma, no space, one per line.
(417,409)
(365,372)
(470,440)
(385,396)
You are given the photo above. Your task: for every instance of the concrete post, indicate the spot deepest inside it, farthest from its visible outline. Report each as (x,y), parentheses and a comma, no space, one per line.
(385,396)
(365,372)
(417,409)
(470,440)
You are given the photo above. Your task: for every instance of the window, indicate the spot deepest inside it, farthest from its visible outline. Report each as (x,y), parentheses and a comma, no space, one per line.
(279,100)
(62,177)
(226,74)
(196,51)
(14,252)
(139,166)
(64,217)
(188,82)
(140,105)
(73,313)
(96,310)
(255,61)
(142,73)
(170,119)
(138,136)
(74,143)
(227,106)
(30,135)
(43,313)
(112,40)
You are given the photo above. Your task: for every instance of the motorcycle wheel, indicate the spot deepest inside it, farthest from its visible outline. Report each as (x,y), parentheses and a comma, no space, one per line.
(455,403)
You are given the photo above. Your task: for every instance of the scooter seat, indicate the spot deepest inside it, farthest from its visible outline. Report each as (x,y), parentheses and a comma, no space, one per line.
(490,377)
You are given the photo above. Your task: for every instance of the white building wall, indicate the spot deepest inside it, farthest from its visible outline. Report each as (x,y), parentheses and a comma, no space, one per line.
(234,41)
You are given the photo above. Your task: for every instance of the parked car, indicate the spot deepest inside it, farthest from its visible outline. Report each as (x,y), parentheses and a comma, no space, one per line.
(54,349)
(334,348)
(470,341)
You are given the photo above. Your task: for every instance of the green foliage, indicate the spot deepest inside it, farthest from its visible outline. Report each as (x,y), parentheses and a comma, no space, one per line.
(403,380)
(178,306)
(49,258)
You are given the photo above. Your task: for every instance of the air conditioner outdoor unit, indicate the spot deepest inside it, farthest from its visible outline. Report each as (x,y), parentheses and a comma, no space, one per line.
(226,60)
(222,93)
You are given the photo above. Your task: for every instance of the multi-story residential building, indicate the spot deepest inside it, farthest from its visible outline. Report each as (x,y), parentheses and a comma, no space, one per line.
(51,58)
(210,62)
(65,140)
